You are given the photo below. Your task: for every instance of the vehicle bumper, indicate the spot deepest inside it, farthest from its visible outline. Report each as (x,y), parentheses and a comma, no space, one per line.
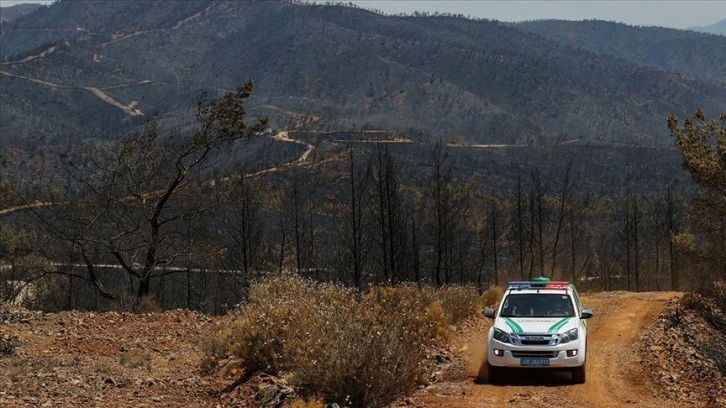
(561,356)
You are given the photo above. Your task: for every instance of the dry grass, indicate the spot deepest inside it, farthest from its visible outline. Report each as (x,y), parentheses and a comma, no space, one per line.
(459,302)
(147,304)
(492,296)
(16,371)
(135,358)
(215,346)
(719,294)
(313,402)
(102,365)
(363,350)
(7,345)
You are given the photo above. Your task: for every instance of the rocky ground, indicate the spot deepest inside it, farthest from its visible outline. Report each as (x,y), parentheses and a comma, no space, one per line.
(685,352)
(108,359)
(155,360)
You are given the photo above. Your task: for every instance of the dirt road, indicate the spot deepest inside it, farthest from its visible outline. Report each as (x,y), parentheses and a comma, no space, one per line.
(615,377)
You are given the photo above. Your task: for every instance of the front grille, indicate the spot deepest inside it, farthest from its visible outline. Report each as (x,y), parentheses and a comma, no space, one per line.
(536,342)
(534,354)
(530,339)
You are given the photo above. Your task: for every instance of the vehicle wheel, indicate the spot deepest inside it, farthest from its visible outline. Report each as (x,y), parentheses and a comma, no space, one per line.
(578,374)
(494,374)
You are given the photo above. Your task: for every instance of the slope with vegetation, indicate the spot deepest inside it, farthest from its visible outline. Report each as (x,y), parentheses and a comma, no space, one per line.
(306,343)
(481,81)
(464,154)
(718,28)
(10,13)
(652,48)
(358,206)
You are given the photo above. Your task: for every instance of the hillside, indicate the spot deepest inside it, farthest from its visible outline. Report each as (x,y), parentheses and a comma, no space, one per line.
(94,69)
(555,158)
(650,48)
(130,360)
(8,14)
(717,28)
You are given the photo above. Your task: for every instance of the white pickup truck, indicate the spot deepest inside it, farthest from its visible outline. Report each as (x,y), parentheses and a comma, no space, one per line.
(539,324)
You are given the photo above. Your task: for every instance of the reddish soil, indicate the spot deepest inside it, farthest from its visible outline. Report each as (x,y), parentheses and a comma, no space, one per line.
(107,359)
(615,377)
(153,360)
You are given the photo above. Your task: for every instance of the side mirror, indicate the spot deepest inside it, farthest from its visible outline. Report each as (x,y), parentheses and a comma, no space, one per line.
(586,314)
(490,312)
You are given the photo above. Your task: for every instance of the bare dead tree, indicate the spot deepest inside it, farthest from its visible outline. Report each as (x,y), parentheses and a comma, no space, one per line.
(354,239)
(125,202)
(246,228)
(388,211)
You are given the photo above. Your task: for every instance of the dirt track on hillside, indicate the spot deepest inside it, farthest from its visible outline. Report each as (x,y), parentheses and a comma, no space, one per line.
(614,374)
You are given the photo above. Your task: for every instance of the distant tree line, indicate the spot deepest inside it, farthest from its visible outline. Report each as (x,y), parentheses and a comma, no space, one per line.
(135,219)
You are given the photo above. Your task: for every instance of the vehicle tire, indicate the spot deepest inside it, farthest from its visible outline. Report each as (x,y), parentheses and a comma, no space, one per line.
(494,374)
(578,374)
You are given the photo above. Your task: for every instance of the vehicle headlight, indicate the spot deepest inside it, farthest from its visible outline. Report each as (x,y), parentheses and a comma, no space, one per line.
(501,335)
(568,336)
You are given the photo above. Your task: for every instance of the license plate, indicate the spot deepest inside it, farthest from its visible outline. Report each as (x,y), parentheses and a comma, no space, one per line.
(534,362)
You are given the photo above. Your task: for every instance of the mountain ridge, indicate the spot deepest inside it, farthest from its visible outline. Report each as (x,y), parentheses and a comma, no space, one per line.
(718,28)
(480,81)
(10,13)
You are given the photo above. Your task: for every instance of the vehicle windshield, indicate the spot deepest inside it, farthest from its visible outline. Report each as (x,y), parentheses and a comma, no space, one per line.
(537,305)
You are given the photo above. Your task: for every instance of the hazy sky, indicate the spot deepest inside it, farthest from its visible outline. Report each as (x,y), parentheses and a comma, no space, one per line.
(675,14)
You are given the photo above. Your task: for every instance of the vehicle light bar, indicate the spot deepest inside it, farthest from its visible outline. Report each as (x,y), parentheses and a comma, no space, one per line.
(520,284)
(539,283)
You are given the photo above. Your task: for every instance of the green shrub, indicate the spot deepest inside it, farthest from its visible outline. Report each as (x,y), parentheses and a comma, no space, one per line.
(362,350)
(45,290)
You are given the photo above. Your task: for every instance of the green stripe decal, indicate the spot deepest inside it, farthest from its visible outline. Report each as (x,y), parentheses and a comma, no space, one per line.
(513,325)
(557,326)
